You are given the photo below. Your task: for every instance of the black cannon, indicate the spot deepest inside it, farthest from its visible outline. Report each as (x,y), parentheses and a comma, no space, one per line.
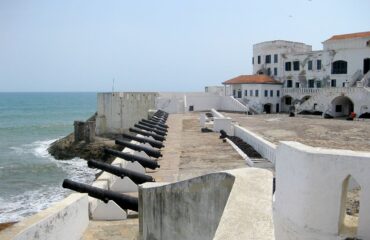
(145,162)
(223,134)
(124,201)
(159,132)
(146,133)
(153,143)
(155,123)
(158,119)
(153,126)
(136,177)
(149,151)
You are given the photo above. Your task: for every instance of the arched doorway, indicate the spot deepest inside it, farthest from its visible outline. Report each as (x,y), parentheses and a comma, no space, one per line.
(342,106)
(349,208)
(267,108)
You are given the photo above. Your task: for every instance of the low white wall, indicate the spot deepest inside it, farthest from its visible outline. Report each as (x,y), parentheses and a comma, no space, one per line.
(67,219)
(182,102)
(235,204)
(262,146)
(309,187)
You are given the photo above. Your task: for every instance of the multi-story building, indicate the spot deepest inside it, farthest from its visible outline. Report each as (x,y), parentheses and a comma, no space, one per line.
(341,66)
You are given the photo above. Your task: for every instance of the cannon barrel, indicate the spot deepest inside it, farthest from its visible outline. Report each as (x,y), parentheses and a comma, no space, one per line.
(154,122)
(124,201)
(153,143)
(136,177)
(223,134)
(145,162)
(149,151)
(159,132)
(151,125)
(146,133)
(158,119)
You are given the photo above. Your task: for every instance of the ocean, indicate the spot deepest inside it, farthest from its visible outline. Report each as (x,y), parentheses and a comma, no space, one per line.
(30,178)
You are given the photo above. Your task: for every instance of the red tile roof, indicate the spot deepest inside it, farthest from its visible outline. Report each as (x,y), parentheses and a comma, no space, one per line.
(252,79)
(350,35)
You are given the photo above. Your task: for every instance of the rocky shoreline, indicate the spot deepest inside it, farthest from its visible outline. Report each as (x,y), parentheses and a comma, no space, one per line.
(66,148)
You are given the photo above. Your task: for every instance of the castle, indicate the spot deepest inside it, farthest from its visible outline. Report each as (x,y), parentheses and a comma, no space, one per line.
(289,75)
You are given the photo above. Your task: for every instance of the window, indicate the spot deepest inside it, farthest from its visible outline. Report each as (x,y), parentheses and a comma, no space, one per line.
(318,64)
(266,93)
(252,60)
(259,59)
(275,58)
(289,83)
(268,59)
(278,93)
(275,71)
(297,85)
(339,67)
(269,71)
(256,93)
(251,93)
(318,84)
(288,66)
(309,66)
(234,93)
(333,83)
(271,93)
(246,93)
(311,83)
(296,65)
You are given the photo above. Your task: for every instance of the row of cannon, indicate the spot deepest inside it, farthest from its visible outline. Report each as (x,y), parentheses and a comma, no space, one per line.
(153,132)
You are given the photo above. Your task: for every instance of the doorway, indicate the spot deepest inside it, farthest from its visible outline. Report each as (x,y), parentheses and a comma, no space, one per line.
(366,65)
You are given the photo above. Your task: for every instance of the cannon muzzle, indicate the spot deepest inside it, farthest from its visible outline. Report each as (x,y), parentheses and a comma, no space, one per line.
(145,162)
(149,151)
(136,177)
(122,200)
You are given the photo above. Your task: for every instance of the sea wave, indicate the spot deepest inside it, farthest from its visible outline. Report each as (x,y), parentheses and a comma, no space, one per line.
(16,207)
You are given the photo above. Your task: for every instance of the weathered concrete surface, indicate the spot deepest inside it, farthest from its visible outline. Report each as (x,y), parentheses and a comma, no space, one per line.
(113,230)
(310,130)
(203,153)
(235,204)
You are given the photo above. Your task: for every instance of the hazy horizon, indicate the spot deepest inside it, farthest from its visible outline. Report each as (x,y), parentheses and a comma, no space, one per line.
(81,46)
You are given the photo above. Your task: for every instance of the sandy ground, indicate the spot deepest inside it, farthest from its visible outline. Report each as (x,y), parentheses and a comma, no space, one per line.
(310,130)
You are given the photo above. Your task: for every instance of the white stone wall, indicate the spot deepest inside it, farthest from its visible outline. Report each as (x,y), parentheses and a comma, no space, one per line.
(119,111)
(282,49)
(309,188)
(67,219)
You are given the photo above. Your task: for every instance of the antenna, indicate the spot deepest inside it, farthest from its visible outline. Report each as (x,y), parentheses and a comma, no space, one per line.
(113,87)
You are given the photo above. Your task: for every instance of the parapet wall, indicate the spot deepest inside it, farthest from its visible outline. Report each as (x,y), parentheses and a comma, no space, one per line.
(235,204)
(310,190)
(67,219)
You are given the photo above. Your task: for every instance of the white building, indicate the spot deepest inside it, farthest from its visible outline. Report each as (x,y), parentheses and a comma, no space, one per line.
(343,64)
(259,92)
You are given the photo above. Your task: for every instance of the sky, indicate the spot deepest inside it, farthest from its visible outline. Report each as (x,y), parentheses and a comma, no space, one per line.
(147,45)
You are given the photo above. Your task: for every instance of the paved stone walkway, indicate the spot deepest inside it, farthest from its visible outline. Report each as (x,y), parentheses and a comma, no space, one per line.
(187,153)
